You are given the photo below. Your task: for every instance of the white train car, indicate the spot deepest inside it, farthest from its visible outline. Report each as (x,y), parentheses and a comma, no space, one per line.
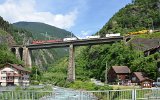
(113,35)
(93,37)
(70,39)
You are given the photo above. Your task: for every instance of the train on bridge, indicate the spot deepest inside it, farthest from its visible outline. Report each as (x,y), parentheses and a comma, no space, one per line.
(72,39)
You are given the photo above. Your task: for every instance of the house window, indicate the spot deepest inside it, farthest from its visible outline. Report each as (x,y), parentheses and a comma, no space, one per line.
(133,78)
(11,71)
(10,77)
(11,67)
(3,78)
(127,77)
(3,72)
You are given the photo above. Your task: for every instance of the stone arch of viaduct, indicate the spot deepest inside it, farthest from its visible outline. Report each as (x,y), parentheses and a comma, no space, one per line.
(24,52)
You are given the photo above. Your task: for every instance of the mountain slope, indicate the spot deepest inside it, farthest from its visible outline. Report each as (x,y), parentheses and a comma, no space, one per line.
(141,14)
(41,31)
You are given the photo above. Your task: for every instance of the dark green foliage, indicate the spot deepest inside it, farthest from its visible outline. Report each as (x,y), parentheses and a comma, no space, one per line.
(92,62)
(21,36)
(6,56)
(41,30)
(141,14)
(88,63)
(57,73)
(4,25)
(88,86)
(35,75)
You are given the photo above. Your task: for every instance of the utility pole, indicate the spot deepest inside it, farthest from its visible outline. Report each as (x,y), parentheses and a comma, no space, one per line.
(36,73)
(106,74)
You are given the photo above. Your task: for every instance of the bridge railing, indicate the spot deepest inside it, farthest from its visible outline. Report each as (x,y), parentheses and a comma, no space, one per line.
(25,95)
(132,94)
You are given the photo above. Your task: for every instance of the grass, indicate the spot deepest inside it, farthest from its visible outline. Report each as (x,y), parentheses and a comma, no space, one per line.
(120,87)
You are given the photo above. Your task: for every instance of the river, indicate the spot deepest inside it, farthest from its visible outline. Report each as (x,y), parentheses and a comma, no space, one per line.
(69,94)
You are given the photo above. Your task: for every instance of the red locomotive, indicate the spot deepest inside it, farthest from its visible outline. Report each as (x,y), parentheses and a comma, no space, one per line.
(46,41)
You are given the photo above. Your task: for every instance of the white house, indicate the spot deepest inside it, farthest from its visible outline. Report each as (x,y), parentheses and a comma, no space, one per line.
(14,74)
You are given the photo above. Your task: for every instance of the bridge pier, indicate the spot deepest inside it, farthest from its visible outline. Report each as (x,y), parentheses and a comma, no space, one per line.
(71,67)
(27,57)
(23,54)
(17,52)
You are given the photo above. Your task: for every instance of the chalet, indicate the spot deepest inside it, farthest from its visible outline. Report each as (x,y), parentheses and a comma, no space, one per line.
(141,79)
(120,74)
(13,74)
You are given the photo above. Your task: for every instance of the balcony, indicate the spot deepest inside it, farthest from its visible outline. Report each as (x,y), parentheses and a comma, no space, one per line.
(13,74)
(9,80)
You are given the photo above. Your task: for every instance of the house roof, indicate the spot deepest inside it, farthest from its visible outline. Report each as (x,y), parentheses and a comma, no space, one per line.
(18,67)
(141,76)
(121,69)
(153,48)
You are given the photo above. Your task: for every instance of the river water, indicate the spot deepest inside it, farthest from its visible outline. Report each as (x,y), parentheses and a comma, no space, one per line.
(69,94)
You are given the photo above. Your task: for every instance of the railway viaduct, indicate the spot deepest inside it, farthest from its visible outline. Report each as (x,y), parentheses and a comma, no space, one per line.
(24,52)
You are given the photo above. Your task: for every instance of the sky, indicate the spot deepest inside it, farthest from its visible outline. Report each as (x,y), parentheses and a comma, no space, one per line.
(81,17)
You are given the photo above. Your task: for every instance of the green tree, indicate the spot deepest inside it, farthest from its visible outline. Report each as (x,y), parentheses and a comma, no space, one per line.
(35,74)
(6,56)
(91,63)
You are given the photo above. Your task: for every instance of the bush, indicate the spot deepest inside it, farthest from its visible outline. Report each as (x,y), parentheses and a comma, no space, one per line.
(33,82)
(88,86)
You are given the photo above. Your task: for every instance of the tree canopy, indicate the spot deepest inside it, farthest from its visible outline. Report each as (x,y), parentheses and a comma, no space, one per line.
(92,62)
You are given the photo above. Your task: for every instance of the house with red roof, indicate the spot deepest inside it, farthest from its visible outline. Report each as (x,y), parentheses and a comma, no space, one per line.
(14,74)
(141,79)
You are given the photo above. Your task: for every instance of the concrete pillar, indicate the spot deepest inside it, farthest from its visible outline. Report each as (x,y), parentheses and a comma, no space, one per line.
(27,57)
(17,52)
(71,67)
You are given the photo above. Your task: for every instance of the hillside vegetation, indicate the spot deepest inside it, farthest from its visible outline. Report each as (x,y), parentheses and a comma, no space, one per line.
(140,14)
(43,31)
(6,39)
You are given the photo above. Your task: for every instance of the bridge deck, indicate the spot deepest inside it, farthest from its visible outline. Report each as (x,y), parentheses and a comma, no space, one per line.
(82,42)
